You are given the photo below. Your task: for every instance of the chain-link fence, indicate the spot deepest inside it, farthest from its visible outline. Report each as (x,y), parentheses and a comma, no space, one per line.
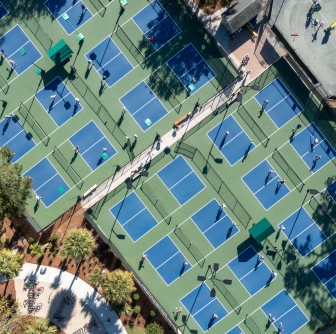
(216,181)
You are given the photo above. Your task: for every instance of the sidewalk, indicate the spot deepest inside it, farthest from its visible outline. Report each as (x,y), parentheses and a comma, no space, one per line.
(86,310)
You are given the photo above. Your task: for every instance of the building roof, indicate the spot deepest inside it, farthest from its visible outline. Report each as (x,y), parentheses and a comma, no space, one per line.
(240,13)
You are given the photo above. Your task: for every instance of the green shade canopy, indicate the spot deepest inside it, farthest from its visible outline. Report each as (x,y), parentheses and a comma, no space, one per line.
(59,52)
(261,230)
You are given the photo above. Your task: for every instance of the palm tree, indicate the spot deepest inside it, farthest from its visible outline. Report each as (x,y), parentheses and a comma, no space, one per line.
(10,264)
(96,278)
(78,244)
(118,286)
(41,326)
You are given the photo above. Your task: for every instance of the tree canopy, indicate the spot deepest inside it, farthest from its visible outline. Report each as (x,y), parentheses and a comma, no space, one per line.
(118,286)
(14,189)
(10,263)
(78,244)
(9,316)
(40,326)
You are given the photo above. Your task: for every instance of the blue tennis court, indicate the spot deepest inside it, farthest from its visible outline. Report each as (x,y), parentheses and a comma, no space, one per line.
(143,105)
(94,147)
(233,146)
(214,223)
(15,137)
(235,330)
(202,307)
(19,48)
(284,309)
(156,24)
(3,11)
(251,271)
(63,106)
(305,146)
(302,232)
(265,186)
(282,105)
(47,182)
(69,13)
(190,67)
(109,61)
(167,260)
(181,180)
(332,190)
(133,216)
(326,272)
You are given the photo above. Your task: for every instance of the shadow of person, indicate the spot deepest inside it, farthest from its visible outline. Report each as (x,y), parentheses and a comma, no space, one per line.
(36,206)
(141,264)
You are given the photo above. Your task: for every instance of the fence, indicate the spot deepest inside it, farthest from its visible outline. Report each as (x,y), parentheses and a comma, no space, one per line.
(217,183)
(157,84)
(128,267)
(102,113)
(316,206)
(36,29)
(254,126)
(99,6)
(251,325)
(288,169)
(227,295)
(291,276)
(156,202)
(3,84)
(67,167)
(190,246)
(130,45)
(28,117)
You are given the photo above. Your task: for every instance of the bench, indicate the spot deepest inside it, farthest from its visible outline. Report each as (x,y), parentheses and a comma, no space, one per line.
(180,120)
(90,191)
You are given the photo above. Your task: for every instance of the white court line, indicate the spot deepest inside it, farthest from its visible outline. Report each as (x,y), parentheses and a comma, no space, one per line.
(276,178)
(167,260)
(46,181)
(145,105)
(254,269)
(92,146)
(181,179)
(204,307)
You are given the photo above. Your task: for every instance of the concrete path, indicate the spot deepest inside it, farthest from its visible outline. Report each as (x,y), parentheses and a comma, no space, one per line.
(66,300)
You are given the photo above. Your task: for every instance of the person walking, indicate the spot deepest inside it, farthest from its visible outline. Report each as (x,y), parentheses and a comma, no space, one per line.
(76,149)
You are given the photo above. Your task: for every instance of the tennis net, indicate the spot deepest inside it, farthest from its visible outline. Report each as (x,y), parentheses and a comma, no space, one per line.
(288,169)
(67,167)
(251,325)
(29,118)
(130,45)
(3,84)
(254,126)
(227,295)
(156,202)
(190,246)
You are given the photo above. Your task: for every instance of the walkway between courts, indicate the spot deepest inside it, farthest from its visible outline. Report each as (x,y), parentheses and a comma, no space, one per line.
(66,300)
(167,140)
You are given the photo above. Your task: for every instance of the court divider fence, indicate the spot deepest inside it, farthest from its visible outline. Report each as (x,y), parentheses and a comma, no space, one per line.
(130,45)
(3,83)
(227,295)
(29,118)
(251,325)
(253,125)
(99,6)
(67,167)
(156,202)
(216,181)
(100,110)
(197,255)
(291,275)
(331,206)
(156,83)
(288,169)
(35,28)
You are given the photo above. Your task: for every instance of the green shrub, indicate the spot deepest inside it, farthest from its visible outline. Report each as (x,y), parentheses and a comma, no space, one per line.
(36,250)
(136,296)
(17,227)
(137,309)
(152,313)
(31,240)
(154,328)
(54,237)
